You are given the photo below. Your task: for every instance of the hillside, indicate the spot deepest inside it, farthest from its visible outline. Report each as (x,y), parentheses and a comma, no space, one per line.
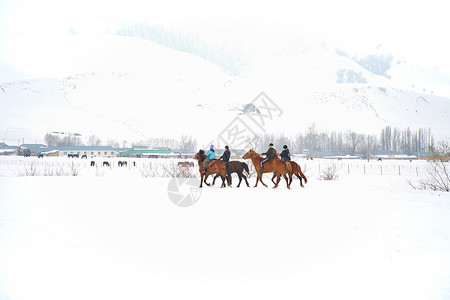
(132,89)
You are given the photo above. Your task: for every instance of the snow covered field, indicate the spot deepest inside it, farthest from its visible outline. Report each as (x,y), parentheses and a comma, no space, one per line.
(111,233)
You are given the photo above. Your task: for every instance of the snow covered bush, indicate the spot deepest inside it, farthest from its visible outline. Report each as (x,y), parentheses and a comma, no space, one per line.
(177,171)
(148,171)
(330,172)
(438,173)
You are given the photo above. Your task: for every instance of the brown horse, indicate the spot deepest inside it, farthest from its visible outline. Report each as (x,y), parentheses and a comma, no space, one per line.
(238,168)
(275,165)
(297,171)
(218,167)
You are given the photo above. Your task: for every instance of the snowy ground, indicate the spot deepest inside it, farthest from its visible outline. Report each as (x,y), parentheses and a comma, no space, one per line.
(111,233)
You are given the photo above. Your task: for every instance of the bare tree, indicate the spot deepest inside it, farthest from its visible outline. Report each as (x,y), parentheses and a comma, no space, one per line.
(438,177)
(94,141)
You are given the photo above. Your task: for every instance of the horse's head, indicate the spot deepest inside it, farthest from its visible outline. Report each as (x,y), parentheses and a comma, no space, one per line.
(200,155)
(251,153)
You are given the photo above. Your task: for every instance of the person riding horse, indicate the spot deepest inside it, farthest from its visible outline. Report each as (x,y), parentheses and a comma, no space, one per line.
(270,154)
(209,157)
(285,155)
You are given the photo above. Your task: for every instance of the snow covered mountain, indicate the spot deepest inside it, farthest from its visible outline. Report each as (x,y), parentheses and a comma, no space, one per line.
(129,88)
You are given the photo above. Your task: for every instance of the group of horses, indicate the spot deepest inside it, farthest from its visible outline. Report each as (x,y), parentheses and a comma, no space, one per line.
(276,166)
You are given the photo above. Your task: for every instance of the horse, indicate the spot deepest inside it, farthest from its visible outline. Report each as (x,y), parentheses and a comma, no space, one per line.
(92,163)
(215,167)
(238,168)
(185,164)
(276,165)
(105,163)
(297,171)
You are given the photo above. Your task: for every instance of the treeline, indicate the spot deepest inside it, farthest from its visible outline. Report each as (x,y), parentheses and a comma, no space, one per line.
(69,139)
(396,140)
(185,142)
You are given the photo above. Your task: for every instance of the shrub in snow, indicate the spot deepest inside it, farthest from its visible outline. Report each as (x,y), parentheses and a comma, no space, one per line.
(330,172)
(438,173)
(177,171)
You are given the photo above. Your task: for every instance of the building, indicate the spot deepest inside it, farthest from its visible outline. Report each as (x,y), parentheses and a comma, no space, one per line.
(31,149)
(150,153)
(430,156)
(7,150)
(89,151)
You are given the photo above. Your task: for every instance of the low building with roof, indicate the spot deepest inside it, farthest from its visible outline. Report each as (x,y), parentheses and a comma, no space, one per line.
(7,150)
(89,151)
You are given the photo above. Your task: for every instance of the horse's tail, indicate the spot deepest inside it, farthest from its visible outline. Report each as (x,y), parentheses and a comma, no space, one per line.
(245,166)
(303,175)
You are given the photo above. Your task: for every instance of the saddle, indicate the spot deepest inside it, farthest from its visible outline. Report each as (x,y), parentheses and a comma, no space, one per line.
(212,162)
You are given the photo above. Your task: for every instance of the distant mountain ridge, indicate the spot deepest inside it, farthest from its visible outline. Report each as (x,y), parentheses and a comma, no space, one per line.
(136,89)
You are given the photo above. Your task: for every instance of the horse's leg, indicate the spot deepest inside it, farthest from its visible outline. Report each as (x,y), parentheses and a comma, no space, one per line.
(214,180)
(223,180)
(278,181)
(262,181)
(257,179)
(201,180)
(274,175)
(240,178)
(301,179)
(287,181)
(206,177)
(245,178)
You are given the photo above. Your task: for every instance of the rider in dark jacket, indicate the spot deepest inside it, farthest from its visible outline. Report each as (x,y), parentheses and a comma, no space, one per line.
(285,155)
(270,154)
(226,155)
(226,158)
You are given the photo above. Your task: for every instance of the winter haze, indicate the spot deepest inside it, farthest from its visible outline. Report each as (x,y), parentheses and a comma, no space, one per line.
(147,69)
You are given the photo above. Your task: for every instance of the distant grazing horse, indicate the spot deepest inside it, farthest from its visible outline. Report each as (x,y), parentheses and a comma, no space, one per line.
(215,167)
(276,165)
(185,164)
(92,163)
(105,163)
(297,171)
(238,168)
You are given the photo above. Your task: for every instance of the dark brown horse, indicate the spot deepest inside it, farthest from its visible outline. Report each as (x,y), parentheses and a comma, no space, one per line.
(276,165)
(238,168)
(297,171)
(216,167)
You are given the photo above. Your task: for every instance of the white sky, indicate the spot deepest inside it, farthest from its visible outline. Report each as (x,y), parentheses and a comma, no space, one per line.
(415,28)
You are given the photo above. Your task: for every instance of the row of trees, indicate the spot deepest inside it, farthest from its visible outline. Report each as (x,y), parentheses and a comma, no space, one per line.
(395,140)
(69,139)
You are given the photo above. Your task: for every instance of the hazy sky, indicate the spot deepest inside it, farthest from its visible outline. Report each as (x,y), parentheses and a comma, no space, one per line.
(415,28)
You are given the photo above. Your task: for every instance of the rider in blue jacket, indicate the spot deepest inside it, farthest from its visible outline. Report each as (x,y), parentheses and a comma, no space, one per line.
(209,157)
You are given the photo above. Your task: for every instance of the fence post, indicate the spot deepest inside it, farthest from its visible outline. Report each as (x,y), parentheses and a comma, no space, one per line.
(381,170)
(399,171)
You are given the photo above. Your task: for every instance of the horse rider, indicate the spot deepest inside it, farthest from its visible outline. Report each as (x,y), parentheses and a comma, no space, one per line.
(209,157)
(270,154)
(226,158)
(285,155)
